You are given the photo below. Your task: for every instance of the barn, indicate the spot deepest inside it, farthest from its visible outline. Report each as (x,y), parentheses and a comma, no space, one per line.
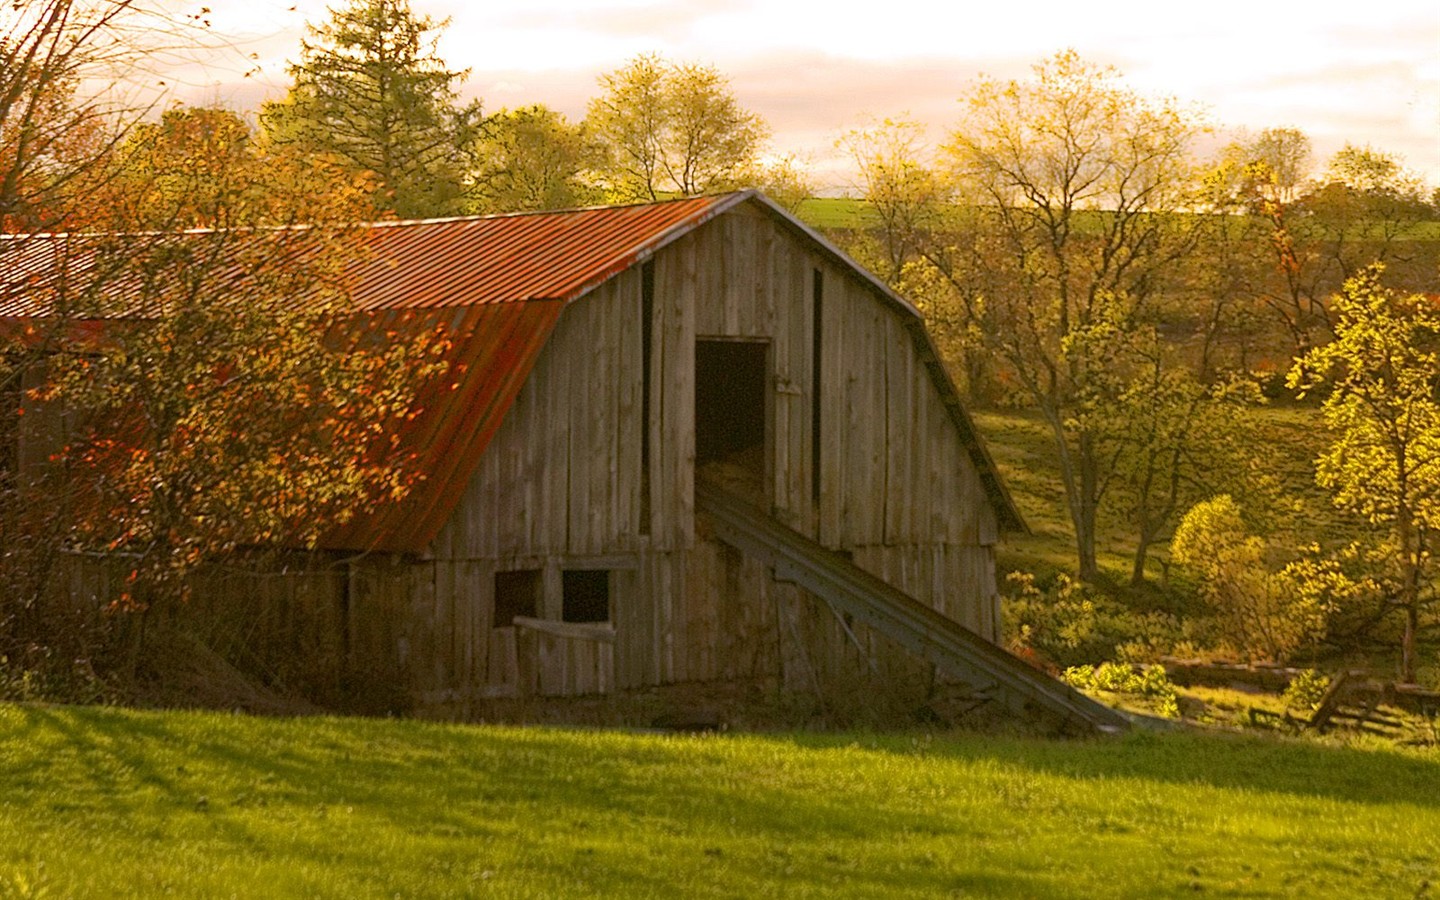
(688,443)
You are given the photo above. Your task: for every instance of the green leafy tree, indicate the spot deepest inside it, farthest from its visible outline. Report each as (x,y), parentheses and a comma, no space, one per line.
(1380,375)
(1073,187)
(672,128)
(370,92)
(532,159)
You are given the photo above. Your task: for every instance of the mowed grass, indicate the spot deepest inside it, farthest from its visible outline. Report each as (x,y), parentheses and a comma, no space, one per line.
(109,802)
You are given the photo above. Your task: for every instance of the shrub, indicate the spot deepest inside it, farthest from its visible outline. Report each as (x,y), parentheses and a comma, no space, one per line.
(1070,624)
(1306,690)
(1147,682)
(1263,615)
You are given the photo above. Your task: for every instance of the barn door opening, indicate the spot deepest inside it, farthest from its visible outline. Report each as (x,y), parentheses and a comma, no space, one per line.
(730,414)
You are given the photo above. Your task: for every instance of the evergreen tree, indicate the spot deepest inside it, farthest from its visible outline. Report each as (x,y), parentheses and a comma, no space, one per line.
(371,93)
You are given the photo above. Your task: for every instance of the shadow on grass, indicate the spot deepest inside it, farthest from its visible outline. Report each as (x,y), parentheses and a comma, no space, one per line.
(1225,761)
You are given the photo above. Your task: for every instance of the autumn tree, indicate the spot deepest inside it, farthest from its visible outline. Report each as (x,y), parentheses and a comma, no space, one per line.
(205,167)
(234,400)
(900,182)
(54,137)
(1075,188)
(672,128)
(371,92)
(1380,375)
(532,159)
(1306,235)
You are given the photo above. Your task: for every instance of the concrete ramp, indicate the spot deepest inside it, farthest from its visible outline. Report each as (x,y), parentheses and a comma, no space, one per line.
(920,629)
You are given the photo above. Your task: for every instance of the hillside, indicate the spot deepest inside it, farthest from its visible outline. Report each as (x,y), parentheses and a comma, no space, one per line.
(107,803)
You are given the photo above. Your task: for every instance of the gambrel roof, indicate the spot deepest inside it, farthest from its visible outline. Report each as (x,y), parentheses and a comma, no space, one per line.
(498,284)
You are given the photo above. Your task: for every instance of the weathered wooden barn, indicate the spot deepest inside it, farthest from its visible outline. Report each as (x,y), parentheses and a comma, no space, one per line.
(687,442)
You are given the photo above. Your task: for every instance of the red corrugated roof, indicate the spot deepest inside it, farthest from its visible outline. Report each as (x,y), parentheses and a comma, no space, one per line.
(503,259)
(510,276)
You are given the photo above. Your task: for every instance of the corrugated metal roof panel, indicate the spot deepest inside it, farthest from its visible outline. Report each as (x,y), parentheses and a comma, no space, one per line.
(493,348)
(504,259)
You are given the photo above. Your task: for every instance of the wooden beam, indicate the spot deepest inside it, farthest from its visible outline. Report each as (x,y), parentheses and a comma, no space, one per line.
(575,631)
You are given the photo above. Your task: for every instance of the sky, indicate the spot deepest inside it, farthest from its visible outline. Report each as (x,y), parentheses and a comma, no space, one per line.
(1363,73)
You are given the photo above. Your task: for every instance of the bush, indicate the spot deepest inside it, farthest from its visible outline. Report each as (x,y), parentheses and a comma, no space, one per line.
(1306,690)
(1263,615)
(1147,682)
(1070,624)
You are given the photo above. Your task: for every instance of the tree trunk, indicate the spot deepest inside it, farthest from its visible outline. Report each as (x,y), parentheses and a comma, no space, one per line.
(1085,511)
(1410,551)
(1137,568)
(1077,473)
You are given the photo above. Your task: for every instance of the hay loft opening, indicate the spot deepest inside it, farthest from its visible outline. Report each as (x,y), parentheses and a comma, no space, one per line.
(730,379)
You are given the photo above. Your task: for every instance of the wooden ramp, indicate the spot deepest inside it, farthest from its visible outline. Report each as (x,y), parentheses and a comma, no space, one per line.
(850,590)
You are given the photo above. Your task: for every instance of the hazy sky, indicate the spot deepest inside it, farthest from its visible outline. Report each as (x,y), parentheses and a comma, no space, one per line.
(1368,73)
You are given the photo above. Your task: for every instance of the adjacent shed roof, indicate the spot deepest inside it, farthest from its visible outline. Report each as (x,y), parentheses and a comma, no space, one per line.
(499,284)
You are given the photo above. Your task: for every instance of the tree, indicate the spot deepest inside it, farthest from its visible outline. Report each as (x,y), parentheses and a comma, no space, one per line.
(899,181)
(672,128)
(370,91)
(53,137)
(532,159)
(1261,613)
(203,167)
(1074,188)
(1169,441)
(1382,372)
(235,399)
(1312,233)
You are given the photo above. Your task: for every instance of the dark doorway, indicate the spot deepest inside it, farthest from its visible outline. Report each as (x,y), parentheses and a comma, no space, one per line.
(730,379)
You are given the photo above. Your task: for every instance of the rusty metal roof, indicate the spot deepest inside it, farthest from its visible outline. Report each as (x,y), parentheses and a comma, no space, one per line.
(507,259)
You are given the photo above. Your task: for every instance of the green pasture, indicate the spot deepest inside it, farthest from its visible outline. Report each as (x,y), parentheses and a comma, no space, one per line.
(119,803)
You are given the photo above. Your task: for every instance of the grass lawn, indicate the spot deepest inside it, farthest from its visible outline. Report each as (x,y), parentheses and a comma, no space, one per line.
(108,802)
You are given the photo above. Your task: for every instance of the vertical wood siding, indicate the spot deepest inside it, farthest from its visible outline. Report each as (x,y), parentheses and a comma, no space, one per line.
(560,486)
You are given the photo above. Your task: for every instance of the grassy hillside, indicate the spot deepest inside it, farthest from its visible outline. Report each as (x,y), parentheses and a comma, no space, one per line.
(1286,440)
(106,803)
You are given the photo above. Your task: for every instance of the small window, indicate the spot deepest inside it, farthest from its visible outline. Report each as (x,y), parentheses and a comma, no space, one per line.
(587,595)
(516,594)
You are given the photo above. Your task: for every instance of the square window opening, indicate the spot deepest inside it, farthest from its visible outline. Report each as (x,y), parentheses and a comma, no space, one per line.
(586,595)
(516,594)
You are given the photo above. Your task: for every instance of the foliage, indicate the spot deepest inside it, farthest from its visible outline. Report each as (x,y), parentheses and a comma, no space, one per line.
(532,159)
(1071,623)
(356,808)
(672,128)
(785,180)
(1306,690)
(54,136)
(245,402)
(1382,463)
(1259,613)
(203,167)
(1148,682)
(1169,441)
(371,94)
(1074,184)
(902,186)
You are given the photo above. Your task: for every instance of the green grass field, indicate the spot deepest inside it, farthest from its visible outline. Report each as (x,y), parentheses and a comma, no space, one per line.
(115,803)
